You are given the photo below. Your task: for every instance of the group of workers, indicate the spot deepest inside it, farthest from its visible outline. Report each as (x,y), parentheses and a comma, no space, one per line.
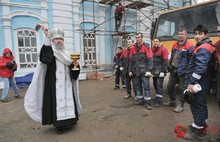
(190,66)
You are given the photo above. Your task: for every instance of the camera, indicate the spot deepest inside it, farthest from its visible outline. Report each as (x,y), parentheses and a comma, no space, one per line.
(14,68)
(11,65)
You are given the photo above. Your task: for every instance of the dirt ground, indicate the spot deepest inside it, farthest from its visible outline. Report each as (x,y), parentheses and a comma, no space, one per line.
(107,116)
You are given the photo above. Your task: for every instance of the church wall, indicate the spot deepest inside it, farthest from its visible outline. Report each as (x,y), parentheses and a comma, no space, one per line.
(2,39)
(67,14)
(63,9)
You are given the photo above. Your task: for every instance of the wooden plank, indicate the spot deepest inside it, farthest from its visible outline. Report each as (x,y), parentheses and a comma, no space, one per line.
(138,5)
(103,1)
(94,75)
(122,33)
(112,2)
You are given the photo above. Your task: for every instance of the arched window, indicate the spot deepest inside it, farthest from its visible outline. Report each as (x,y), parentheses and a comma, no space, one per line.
(124,41)
(27,48)
(89,49)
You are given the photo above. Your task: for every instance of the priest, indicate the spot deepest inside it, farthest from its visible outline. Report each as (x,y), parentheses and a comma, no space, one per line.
(53,95)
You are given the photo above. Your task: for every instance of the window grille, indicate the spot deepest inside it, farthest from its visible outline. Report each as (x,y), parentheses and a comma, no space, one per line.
(27,48)
(89,50)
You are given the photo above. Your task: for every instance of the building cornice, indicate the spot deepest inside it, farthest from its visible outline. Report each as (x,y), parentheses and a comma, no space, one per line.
(23,13)
(24,5)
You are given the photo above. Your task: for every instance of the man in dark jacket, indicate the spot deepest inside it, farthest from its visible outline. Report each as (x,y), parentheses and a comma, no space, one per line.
(179,60)
(124,63)
(217,47)
(140,68)
(160,64)
(118,15)
(118,71)
(199,72)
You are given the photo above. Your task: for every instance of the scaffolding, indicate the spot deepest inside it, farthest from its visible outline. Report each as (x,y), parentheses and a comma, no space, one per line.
(137,5)
(187,2)
(130,4)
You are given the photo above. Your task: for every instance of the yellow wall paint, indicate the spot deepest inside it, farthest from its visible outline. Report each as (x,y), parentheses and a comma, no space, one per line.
(169,44)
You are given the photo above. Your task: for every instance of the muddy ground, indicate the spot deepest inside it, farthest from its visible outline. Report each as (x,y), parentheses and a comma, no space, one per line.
(107,117)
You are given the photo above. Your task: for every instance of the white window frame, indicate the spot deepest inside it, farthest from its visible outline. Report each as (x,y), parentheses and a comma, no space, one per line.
(17,48)
(124,40)
(90,53)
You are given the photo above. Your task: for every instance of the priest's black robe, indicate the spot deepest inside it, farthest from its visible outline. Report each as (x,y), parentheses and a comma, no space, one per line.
(49,98)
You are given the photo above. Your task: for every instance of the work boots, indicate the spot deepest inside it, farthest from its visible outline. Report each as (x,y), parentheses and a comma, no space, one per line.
(116,87)
(170,103)
(195,134)
(179,108)
(157,104)
(148,106)
(127,96)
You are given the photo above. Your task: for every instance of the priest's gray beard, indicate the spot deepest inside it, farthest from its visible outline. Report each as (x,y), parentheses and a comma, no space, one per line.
(59,47)
(61,54)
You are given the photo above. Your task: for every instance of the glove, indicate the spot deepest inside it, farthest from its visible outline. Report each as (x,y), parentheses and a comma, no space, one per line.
(121,68)
(148,74)
(188,97)
(130,74)
(116,66)
(161,74)
(9,65)
(197,88)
